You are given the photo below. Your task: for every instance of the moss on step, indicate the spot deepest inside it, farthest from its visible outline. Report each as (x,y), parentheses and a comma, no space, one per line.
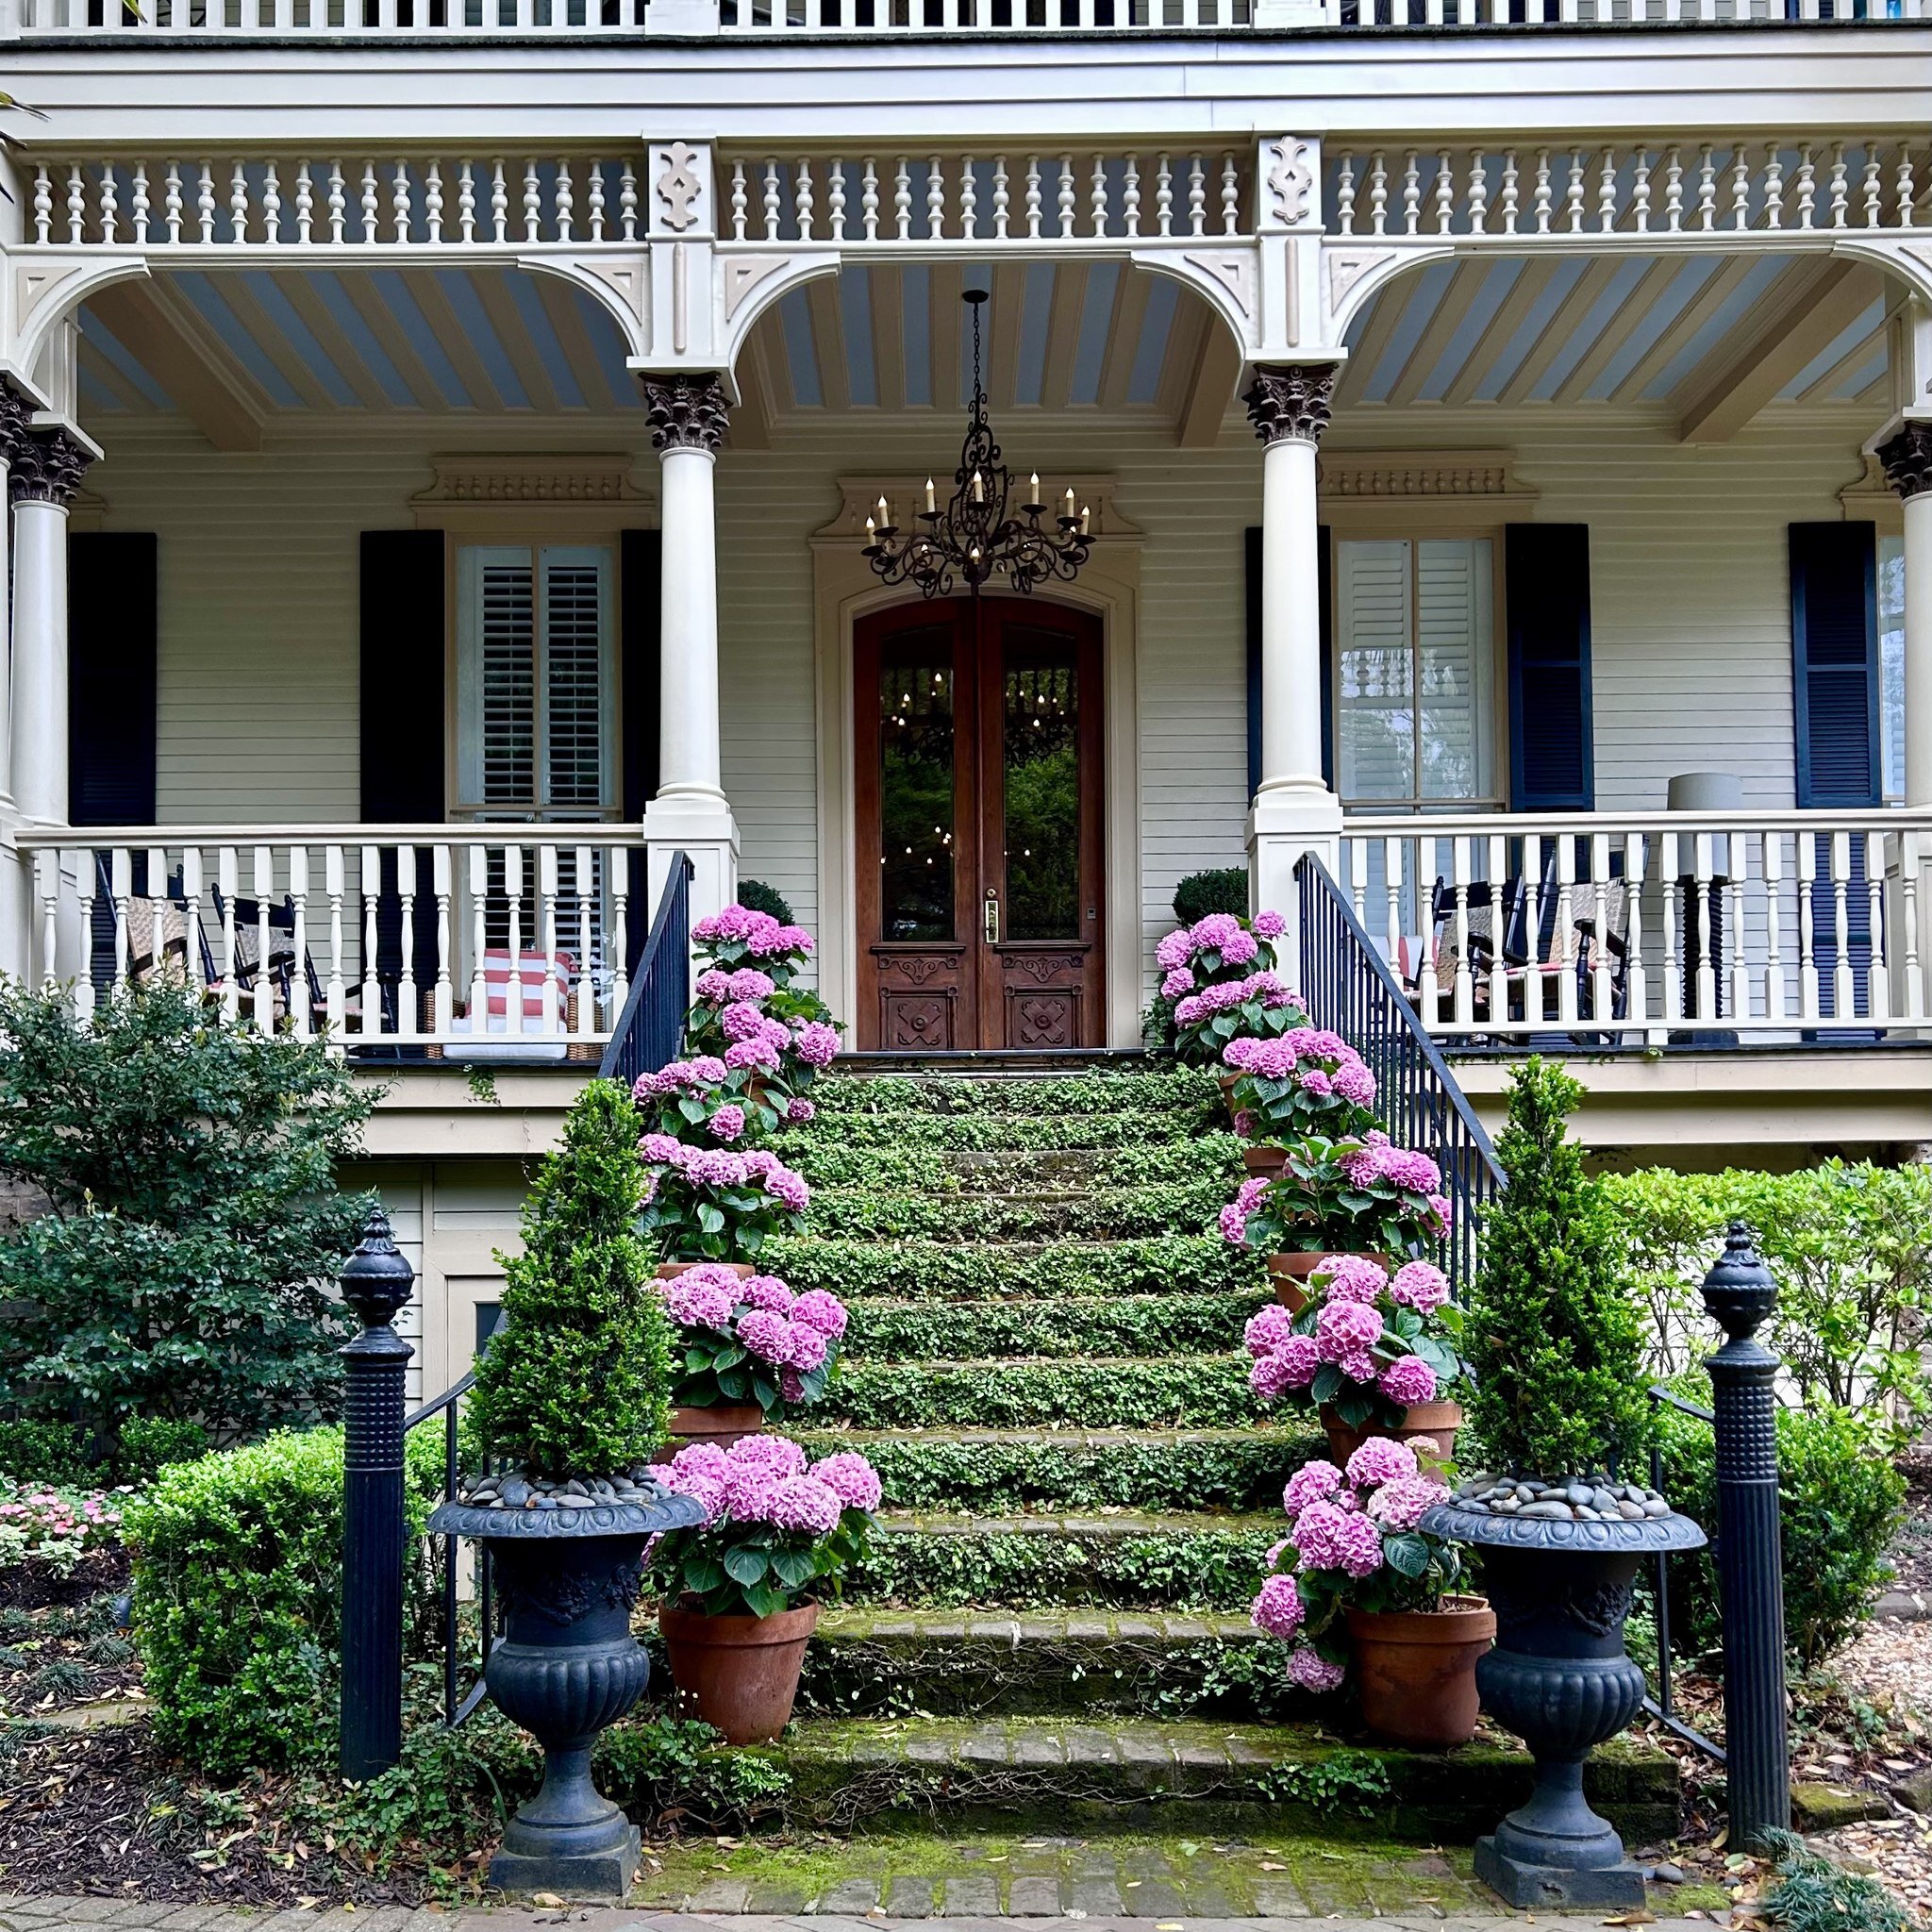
(1053,1328)
(980,1270)
(1171,1090)
(1105,1212)
(998,1132)
(834,1167)
(1128,1391)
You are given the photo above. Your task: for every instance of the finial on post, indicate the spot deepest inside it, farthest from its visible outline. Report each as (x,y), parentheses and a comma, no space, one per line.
(376,1279)
(1738,1292)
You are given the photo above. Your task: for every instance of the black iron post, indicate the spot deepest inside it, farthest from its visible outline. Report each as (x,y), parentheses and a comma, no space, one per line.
(1739,1293)
(377,1281)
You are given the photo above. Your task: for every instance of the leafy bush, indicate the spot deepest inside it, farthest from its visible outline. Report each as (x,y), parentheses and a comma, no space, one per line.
(149,1444)
(1221,890)
(55,1527)
(45,1452)
(1552,1329)
(1850,1246)
(1840,1500)
(576,1381)
(237,1596)
(184,1268)
(756,896)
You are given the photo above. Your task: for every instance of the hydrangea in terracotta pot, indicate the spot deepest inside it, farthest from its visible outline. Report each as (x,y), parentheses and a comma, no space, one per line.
(1220,982)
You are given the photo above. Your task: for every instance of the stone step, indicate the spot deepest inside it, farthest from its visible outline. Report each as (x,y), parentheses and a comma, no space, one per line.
(1131,1391)
(1220,1776)
(1154,1663)
(1008,1132)
(1117,1559)
(1008,1471)
(1099,1213)
(1170,1091)
(1058,1327)
(856,1269)
(835,1169)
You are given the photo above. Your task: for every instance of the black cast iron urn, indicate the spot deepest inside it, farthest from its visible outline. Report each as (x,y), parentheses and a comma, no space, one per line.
(566,1669)
(1561,1680)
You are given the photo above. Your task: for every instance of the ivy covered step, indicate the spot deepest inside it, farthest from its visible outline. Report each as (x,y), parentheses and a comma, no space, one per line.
(1034,1215)
(1125,1392)
(1217,1777)
(835,1168)
(1122,1558)
(1001,1133)
(1010,1472)
(856,1270)
(1179,1092)
(1052,1327)
(1152,1663)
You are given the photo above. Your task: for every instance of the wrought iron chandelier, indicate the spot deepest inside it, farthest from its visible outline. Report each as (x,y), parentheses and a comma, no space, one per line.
(973,539)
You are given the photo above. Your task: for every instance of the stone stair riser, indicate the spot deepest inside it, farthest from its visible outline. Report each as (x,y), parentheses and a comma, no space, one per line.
(1129,1395)
(835,1170)
(1020,1217)
(1143,1324)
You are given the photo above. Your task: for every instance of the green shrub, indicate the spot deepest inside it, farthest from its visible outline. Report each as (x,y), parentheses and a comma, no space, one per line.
(150,1443)
(1224,890)
(1850,1246)
(1554,1337)
(184,1268)
(1814,1895)
(1840,1500)
(759,897)
(576,1381)
(236,1596)
(45,1452)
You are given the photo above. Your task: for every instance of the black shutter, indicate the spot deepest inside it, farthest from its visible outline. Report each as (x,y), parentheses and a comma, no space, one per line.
(1547,586)
(1325,591)
(1836,692)
(112,649)
(404,729)
(639,565)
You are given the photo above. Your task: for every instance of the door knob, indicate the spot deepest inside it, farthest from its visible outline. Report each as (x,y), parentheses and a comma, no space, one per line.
(992,920)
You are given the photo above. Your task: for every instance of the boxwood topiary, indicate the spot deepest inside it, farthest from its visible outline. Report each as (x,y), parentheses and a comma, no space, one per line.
(1224,890)
(759,897)
(575,1382)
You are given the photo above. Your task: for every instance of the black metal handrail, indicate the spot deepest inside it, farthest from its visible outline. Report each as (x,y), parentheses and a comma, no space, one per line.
(1349,990)
(456,1708)
(651,1026)
(1663,1706)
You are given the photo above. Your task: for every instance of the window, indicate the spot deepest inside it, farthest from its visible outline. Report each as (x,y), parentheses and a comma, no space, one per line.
(1891,660)
(536,684)
(1415,670)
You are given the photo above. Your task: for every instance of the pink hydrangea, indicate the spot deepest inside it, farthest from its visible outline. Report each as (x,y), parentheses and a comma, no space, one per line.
(805,1348)
(1268,1328)
(748,1488)
(1409,1381)
(748,983)
(1421,1286)
(727,1124)
(1352,1278)
(1346,1329)
(1238,948)
(1176,949)
(1268,1376)
(1245,1123)
(1278,1610)
(794,938)
(789,1189)
(700,1459)
(766,1333)
(1313,1482)
(802,1502)
(1213,933)
(799,1110)
(779,1454)
(1330,1537)
(707,1070)
(1313,1080)
(1189,1010)
(658,1150)
(817,1043)
(1354,1082)
(767,1292)
(1402,1503)
(1269,925)
(790,1385)
(743,1020)
(1297,1358)
(701,1297)
(1378,1461)
(1178,982)
(1239,1052)
(755,1052)
(712,985)
(1438,1208)
(821,1309)
(1309,1668)
(704,1490)
(851,1478)
(1358,1365)
(732,923)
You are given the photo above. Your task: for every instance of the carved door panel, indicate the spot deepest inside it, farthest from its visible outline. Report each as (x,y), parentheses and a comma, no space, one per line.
(978,734)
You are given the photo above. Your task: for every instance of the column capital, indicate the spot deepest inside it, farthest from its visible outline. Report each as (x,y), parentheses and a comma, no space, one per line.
(47,467)
(16,416)
(1291,403)
(1907,460)
(686,412)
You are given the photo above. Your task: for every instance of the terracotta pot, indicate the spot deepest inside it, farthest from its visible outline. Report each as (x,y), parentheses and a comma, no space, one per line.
(1416,1669)
(1437,1420)
(1264,1162)
(723,1424)
(669,1271)
(741,1673)
(1291,1272)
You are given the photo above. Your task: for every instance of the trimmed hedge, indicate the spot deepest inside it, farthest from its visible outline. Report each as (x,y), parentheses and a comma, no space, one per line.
(236,1596)
(1099,1395)
(1005,1474)
(1147,1325)
(966,1271)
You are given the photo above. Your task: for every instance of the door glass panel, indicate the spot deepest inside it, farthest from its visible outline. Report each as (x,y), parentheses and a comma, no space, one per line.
(916,757)
(1042,788)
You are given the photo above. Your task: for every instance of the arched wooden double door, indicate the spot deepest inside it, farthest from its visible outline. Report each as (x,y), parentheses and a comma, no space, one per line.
(978,745)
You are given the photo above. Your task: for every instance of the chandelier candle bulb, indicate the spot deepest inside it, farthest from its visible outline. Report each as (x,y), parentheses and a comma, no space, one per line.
(978,492)
(1033,491)
(1084,518)
(929,503)
(1070,504)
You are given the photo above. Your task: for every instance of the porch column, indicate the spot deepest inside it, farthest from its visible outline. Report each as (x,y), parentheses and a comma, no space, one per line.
(1908,461)
(16,412)
(1293,811)
(44,476)
(690,812)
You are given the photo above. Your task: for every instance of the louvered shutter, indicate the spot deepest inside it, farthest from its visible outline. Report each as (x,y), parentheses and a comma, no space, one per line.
(1546,579)
(503,746)
(1836,692)
(1375,694)
(404,648)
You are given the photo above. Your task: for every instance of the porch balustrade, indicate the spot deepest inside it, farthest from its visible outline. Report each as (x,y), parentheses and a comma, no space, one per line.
(1639,928)
(470,942)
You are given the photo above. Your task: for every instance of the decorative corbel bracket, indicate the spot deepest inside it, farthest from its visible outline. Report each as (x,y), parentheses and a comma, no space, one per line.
(40,290)
(1353,272)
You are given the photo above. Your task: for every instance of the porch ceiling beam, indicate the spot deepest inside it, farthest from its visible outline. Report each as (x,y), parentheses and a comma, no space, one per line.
(1209,388)
(887,288)
(1832,297)
(1644,294)
(1465,285)
(273,339)
(368,303)
(1124,335)
(217,399)
(97,369)
(1846,366)
(1063,333)
(942,322)
(454,339)
(597,382)
(1562,328)
(513,332)
(1512,313)
(828,343)
(1696,314)
(301,296)
(1008,306)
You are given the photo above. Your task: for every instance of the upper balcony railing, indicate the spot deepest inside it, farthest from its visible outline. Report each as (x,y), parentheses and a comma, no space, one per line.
(138,19)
